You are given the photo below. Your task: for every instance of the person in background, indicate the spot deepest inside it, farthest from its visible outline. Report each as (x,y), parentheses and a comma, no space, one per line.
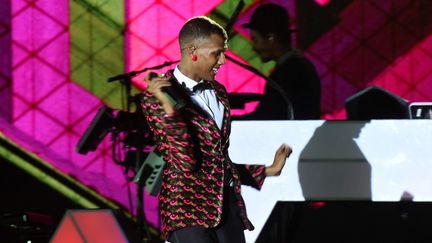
(271,39)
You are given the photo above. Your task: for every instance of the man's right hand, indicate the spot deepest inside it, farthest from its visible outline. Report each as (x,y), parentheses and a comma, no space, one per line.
(155,83)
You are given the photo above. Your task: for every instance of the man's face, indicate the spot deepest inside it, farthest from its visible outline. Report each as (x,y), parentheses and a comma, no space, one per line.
(211,55)
(261,46)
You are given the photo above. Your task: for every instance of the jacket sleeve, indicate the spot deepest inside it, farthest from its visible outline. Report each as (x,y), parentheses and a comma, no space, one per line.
(251,175)
(170,133)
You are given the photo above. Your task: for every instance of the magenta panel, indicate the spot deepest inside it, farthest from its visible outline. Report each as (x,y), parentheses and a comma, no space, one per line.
(39,69)
(5,59)
(368,41)
(410,76)
(51,113)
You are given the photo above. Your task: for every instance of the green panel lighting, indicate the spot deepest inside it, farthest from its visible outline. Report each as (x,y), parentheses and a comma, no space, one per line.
(97,47)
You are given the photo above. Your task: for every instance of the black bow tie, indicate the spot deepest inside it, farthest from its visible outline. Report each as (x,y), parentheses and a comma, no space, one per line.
(201,86)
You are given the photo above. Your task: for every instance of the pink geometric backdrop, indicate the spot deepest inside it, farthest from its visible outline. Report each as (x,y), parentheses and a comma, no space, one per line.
(47,105)
(386,42)
(5,59)
(151,39)
(372,42)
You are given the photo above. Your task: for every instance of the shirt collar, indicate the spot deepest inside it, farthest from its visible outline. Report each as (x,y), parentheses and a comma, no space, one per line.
(284,57)
(183,79)
(287,55)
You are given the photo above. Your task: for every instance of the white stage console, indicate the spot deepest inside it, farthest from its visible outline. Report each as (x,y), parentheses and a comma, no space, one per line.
(378,160)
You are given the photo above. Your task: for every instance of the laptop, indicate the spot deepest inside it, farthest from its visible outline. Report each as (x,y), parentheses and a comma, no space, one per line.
(420,110)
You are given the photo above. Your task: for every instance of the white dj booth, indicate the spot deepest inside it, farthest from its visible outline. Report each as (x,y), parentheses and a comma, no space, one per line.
(377,160)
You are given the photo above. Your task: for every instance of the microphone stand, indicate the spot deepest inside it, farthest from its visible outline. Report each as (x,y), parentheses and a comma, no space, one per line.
(126,80)
(121,77)
(273,84)
(234,17)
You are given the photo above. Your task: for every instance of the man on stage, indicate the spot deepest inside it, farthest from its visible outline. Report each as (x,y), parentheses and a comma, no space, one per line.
(200,198)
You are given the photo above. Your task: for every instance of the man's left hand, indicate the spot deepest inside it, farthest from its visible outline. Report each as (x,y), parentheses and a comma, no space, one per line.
(281,155)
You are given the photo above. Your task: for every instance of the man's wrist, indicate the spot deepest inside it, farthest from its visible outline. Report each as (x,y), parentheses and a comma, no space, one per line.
(270,171)
(165,103)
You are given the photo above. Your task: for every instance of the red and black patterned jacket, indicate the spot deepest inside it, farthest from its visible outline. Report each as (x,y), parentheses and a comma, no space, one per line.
(196,151)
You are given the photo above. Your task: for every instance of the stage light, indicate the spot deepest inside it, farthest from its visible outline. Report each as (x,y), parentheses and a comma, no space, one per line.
(420,110)
(101,124)
(322,3)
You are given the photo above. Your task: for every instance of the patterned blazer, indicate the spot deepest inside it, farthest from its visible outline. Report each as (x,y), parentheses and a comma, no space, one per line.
(196,152)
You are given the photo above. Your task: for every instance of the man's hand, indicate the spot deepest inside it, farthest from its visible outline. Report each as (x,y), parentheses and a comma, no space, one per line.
(279,160)
(155,84)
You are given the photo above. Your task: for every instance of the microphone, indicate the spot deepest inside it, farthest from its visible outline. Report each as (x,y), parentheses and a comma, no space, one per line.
(134,73)
(173,92)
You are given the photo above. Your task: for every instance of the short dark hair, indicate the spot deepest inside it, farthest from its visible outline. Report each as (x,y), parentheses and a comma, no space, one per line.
(271,18)
(200,27)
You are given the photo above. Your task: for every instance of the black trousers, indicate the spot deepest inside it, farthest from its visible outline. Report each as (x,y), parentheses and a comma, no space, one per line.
(230,230)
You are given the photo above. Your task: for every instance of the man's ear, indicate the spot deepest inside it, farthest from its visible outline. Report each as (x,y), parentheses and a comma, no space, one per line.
(271,37)
(190,50)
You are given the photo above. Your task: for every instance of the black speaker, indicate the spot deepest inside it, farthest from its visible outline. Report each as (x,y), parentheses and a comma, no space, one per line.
(376,103)
(348,222)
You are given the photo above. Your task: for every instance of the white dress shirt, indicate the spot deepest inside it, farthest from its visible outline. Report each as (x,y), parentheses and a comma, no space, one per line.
(206,99)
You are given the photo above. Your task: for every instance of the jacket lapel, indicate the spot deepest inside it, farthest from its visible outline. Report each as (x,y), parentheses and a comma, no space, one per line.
(223,98)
